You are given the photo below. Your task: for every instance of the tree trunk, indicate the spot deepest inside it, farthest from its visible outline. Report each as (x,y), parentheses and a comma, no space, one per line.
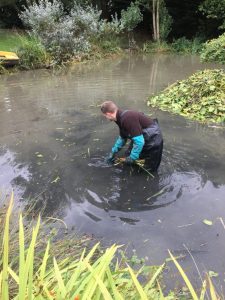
(157,22)
(154,19)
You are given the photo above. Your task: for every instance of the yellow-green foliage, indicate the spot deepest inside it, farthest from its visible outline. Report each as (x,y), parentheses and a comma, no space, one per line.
(200,97)
(89,277)
(214,50)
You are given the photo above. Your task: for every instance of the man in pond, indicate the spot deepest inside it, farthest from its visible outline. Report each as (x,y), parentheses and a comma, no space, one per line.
(143,132)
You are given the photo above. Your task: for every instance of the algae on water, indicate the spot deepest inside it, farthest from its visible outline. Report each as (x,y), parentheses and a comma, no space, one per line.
(200,97)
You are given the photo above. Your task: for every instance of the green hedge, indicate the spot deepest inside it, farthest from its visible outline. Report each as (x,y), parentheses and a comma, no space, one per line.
(214,50)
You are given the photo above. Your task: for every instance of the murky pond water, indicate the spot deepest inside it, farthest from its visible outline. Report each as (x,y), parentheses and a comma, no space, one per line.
(53,143)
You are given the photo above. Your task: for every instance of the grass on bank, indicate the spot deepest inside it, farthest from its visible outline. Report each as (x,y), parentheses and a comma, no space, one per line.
(33,272)
(200,97)
(10,40)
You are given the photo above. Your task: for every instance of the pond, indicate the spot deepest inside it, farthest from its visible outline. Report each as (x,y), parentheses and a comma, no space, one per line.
(54,140)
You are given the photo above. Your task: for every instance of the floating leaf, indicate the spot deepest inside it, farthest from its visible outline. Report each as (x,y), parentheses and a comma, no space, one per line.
(56,179)
(213,274)
(207,222)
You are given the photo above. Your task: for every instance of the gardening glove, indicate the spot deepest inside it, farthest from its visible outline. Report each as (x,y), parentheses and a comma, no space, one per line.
(129,161)
(111,158)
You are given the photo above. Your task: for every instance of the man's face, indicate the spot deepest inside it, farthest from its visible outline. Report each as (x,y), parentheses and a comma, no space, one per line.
(110,116)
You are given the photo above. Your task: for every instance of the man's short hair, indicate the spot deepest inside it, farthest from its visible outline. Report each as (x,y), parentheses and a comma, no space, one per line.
(108,107)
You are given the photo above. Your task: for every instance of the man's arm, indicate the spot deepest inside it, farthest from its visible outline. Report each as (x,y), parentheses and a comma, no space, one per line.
(138,144)
(120,142)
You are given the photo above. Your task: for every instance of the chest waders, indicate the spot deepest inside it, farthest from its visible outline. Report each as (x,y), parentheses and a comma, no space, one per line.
(153,147)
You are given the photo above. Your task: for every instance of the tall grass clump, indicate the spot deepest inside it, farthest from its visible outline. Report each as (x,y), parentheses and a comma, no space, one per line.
(32,272)
(32,54)
(214,50)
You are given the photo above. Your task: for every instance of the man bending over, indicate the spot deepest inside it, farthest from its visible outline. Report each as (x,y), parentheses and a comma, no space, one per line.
(143,132)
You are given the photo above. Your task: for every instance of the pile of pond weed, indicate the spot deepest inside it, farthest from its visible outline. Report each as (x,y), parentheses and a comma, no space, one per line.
(200,97)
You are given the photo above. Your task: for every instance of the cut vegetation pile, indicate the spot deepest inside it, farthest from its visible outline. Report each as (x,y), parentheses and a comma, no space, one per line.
(200,97)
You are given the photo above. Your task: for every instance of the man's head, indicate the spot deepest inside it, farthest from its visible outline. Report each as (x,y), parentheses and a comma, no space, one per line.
(109,109)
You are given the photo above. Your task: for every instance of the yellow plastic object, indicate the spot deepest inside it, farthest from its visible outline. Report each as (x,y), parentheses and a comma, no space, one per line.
(8,58)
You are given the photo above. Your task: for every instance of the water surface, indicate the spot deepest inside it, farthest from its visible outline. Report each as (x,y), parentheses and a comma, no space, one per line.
(53,144)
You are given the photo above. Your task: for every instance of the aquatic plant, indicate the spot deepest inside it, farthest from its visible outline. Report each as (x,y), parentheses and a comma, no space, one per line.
(139,162)
(200,97)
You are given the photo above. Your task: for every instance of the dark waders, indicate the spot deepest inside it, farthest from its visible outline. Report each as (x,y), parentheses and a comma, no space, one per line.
(153,147)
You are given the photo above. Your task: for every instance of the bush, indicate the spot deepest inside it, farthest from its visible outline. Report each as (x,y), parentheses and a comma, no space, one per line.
(62,35)
(183,45)
(200,97)
(214,50)
(131,17)
(113,28)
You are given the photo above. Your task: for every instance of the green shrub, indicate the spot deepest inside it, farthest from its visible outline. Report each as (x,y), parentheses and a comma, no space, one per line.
(214,50)
(131,17)
(200,97)
(183,45)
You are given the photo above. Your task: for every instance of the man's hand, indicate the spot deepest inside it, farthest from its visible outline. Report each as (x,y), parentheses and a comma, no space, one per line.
(129,161)
(110,158)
